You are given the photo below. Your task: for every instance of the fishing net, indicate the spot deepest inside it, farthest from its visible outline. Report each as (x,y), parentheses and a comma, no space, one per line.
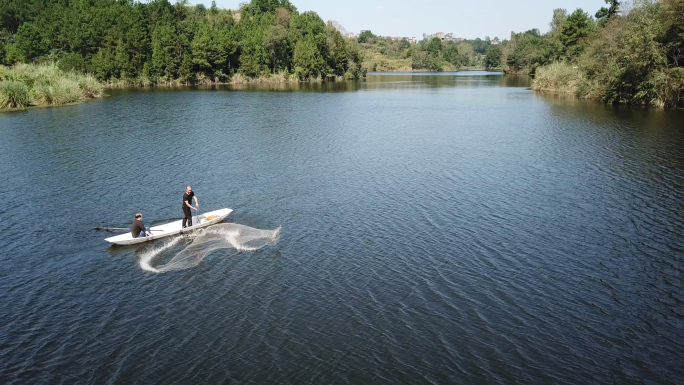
(194,247)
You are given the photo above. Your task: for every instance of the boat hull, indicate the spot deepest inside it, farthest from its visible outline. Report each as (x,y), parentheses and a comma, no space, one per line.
(172,228)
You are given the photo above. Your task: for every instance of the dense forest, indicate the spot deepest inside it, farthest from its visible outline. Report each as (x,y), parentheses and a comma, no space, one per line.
(157,42)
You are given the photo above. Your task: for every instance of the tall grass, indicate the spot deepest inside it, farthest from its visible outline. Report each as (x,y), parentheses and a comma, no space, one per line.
(280,77)
(25,85)
(14,94)
(58,92)
(561,77)
(90,86)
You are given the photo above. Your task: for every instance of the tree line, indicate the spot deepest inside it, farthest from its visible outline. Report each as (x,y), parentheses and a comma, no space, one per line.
(630,55)
(385,53)
(160,42)
(619,55)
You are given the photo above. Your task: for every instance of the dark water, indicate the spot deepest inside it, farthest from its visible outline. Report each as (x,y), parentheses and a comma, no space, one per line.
(451,228)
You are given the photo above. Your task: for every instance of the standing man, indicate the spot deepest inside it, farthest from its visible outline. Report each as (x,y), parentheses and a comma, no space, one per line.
(137,227)
(187,198)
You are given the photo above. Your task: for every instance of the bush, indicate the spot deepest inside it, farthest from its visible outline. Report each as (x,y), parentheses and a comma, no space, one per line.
(24,85)
(90,86)
(560,77)
(59,92)
(14,94)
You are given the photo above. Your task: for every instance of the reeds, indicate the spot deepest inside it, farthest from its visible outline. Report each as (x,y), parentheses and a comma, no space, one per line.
(280,77)
(14,94)
(561,77)
(25,85)
(58,92)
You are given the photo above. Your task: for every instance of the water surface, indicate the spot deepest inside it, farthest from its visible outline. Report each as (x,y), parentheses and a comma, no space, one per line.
(436,228)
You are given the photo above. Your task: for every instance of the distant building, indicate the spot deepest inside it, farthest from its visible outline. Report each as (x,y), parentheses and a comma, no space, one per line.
(350,35)
(442,36)
(496,41)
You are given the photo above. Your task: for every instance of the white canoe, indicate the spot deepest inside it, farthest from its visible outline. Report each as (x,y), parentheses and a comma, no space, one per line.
(172,228)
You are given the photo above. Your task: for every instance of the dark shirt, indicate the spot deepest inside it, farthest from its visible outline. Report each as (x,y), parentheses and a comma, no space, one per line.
(137,227)
(188,198)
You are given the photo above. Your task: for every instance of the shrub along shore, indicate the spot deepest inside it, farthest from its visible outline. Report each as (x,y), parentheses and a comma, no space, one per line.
(27,85)
(45,85)
(628,56)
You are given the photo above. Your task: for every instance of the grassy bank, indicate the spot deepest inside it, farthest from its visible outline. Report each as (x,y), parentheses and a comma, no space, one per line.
(27,85)
(200,80)
(664,88)
(627,56)
(561,77)
(42,85)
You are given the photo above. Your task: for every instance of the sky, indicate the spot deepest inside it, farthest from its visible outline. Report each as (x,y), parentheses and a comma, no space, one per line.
(412,18)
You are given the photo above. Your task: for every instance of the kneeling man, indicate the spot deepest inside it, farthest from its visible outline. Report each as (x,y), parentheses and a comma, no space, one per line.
(137,227)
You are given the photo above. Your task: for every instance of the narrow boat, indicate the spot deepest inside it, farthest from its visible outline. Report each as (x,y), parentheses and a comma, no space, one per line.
(172,228)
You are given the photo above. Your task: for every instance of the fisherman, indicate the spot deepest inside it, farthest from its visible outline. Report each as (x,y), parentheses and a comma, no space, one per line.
(187,205)
(137,227)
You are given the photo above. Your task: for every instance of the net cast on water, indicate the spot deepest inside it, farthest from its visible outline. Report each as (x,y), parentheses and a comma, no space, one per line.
(205,241)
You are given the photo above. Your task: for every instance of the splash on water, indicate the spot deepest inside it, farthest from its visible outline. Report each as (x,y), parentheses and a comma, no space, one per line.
(202,242)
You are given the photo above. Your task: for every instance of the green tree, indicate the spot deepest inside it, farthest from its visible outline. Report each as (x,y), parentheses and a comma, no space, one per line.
(208,55)
(434,47)
(366,37)
(263,6)
(560,15)
(308,60)
(166,42)
(275,41)
(493,57)
(575,29)
(337,53)
(605,14)
(467,53)
(451,54)
(523,53)
(672,38)
(30,43)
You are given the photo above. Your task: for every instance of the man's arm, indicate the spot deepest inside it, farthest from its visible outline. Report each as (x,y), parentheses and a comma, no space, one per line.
(142,228)
(188,203)
(196,201)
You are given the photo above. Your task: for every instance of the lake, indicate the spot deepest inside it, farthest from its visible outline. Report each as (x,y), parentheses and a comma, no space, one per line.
(435,228)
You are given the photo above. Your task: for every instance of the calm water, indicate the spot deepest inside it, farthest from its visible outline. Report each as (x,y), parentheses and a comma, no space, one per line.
(450,228)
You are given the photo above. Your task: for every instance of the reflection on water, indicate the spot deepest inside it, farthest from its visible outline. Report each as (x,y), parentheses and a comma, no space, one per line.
(445,79)
(379,80)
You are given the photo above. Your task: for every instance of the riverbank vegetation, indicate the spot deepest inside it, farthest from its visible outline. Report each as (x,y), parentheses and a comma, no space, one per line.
(26,85)
(126,42)
(624,55)
(383,54)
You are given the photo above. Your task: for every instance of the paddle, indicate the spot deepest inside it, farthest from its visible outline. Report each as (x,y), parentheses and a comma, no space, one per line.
(109,228)
(117,228)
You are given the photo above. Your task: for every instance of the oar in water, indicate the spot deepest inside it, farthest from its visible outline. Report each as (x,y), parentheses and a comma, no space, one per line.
(109,228)
(117,228)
